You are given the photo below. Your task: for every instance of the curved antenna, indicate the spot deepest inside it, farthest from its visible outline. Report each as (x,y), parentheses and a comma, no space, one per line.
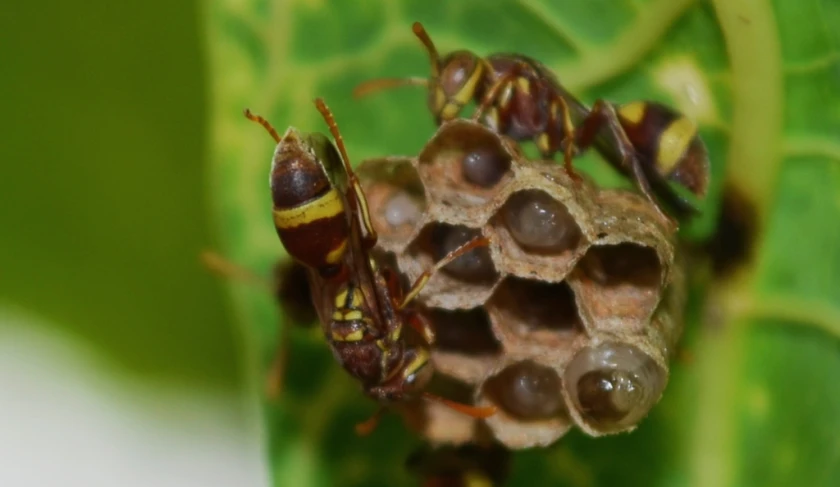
(256,118)
(367,87)
(434,57)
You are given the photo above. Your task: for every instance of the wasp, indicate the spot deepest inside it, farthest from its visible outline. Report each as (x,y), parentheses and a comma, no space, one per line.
(519,97)
(373,327)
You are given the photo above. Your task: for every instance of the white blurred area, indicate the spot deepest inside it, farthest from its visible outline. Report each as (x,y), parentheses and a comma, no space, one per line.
(65,421)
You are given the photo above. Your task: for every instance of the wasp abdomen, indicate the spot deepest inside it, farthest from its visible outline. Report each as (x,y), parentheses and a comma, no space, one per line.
(668,141)
(309,212)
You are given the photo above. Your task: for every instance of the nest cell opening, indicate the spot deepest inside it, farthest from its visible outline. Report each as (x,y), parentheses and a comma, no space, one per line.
(624,264)
(395,195)
(439,239)
(527,391)
(464,164)
(532,307)
(539,223)
(464,332)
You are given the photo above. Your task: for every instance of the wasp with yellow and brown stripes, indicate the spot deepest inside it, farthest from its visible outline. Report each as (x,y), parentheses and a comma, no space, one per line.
(519,97)
(370,322)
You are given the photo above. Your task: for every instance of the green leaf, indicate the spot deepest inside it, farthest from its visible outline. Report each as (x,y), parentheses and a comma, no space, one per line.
(757,404)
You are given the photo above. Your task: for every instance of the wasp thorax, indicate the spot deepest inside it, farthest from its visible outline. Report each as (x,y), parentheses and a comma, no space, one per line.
(484,166)
(474,265)
(613,386)
(539,222)
(527,390)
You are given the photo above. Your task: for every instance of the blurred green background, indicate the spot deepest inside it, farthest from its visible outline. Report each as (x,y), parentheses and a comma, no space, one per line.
(106,204)
(103,185)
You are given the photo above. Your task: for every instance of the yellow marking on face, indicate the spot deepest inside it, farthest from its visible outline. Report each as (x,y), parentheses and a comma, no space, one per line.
(439,102)
(673,142)
(325,206)
(523,85)
(352,337)
(335,255)
(506,96)
(415,290)
(418,363)
(454,105)
(633,111)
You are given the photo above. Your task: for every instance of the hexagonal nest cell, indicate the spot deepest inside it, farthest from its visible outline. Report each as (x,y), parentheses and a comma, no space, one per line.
(464,164)
(465,282)
(567,319)
(396,199)
(618,285)
(529,310)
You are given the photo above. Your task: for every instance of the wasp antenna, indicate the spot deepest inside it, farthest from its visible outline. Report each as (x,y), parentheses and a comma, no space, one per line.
(434,58)
(339,140)
(260,120)
(472,411)
(367,87)
(225,268)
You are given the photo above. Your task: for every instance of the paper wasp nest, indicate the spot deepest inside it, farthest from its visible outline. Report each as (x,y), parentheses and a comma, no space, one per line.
(568,318)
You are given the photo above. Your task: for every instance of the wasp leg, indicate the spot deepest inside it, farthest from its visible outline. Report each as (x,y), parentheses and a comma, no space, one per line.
(422,326)
(423,279)
(558,102)
(275,379)
(225,268)
(494,93)
(603,115)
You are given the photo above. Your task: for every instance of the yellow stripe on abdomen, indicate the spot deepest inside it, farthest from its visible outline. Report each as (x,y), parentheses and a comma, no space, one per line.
(673,142)
(327,205)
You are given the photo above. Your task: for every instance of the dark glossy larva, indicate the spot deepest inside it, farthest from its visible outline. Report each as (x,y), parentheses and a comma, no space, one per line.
(475,265)
(613,386)
(528,390)
(484,167)
(539,222)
